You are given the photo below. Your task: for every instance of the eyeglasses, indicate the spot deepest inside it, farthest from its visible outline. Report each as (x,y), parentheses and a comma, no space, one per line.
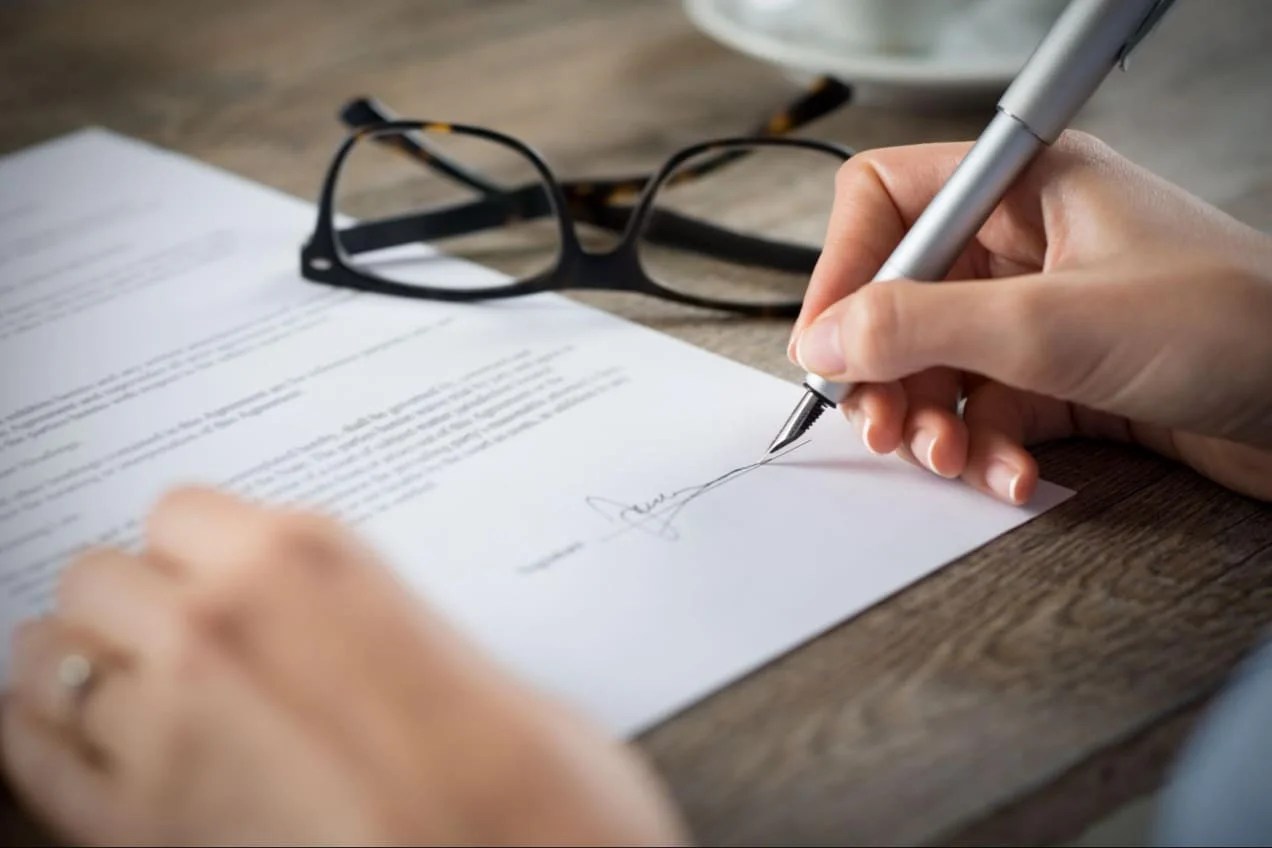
(397,215)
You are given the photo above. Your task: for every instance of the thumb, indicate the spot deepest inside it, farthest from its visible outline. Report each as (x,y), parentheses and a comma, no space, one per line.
(1035,332)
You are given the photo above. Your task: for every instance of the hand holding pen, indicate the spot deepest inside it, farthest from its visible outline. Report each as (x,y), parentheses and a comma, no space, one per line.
(1097,301)
(1083,45)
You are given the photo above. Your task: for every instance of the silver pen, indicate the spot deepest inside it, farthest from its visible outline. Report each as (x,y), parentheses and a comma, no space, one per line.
(1087,40)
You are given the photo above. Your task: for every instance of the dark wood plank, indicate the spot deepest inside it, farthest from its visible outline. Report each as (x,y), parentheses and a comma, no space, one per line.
(984,703)
(1061,810)
(992,677)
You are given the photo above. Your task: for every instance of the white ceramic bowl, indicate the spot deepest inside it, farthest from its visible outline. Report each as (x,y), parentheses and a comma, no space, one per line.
(933,46)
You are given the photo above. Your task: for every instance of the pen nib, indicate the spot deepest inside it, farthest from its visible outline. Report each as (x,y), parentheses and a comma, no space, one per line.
(808,411)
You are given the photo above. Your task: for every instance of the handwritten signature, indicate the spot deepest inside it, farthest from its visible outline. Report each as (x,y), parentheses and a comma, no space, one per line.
(657,515)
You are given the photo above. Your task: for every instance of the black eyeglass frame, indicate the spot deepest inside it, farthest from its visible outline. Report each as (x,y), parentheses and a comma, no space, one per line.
(325,259)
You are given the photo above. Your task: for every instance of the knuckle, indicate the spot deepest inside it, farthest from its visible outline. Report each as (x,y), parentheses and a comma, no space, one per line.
(846,174)
(1076,151)
(849,175)
(180,515)
(177,500)
(81,573)
(1077,141)
(288,545)
(1082,147)
(182,642)
(308,541)
(274,553)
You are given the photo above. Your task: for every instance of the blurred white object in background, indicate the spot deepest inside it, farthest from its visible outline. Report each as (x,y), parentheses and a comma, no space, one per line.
(907,49)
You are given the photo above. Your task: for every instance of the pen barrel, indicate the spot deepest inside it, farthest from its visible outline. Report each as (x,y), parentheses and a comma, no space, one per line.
(1081,47)
(1084,43)
(959,209)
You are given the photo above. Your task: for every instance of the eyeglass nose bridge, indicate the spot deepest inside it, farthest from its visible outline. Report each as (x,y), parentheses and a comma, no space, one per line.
(615,268)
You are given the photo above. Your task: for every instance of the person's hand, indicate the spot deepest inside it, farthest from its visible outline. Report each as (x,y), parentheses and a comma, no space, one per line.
(259,677)
(1097,300)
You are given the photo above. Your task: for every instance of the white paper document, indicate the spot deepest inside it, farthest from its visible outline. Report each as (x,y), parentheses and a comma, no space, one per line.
(581,493)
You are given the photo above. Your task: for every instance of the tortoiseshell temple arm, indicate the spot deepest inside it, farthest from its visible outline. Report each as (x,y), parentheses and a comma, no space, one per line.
(365,111)
(824,96)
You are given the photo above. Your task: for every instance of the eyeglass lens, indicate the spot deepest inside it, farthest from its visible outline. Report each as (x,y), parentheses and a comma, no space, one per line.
(748,231)
(403,219)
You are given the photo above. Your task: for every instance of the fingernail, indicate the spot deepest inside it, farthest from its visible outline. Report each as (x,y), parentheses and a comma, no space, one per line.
(924,447)
(1004,481)
(866,429)
(818,349)
(790,347)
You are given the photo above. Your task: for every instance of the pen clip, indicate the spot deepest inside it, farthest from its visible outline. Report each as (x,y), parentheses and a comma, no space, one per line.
(1154,15)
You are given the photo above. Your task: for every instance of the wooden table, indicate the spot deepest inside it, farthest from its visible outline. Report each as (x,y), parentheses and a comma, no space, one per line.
(1012,696)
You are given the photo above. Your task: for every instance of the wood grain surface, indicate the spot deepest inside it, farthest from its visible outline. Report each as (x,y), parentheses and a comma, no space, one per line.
(1012,696)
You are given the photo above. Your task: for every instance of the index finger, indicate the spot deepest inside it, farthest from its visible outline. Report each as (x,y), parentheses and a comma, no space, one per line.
(878,196)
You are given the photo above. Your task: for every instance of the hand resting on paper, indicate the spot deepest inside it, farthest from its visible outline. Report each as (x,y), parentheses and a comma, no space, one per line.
(265,680)
(1098,300)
